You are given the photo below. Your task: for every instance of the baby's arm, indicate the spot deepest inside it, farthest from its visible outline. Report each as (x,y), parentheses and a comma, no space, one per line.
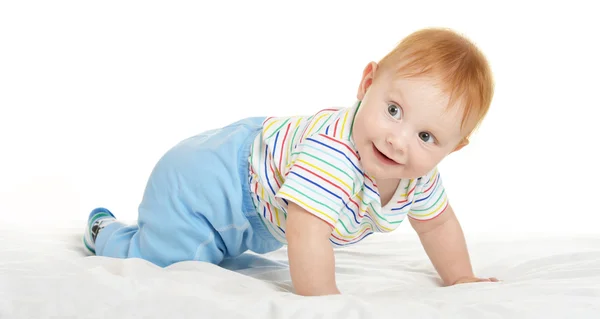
(312,264)
(444,243)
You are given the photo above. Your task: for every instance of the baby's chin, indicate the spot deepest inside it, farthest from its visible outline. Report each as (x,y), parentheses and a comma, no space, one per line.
(381,174)
(411,174)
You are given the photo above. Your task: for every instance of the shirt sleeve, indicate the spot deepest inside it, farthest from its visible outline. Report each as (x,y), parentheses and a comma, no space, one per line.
(323,177)
(430,198)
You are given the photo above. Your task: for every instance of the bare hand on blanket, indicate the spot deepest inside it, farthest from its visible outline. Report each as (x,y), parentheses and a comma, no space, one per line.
(444,242)
(466,280)
(311,258)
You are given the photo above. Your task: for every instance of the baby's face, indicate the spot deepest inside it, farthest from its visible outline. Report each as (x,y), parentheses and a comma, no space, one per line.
(404,128)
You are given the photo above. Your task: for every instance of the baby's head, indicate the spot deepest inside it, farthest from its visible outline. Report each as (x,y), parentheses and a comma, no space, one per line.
(420,103)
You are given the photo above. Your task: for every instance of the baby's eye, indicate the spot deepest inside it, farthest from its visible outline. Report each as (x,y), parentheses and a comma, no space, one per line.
(426,137)
(395,111)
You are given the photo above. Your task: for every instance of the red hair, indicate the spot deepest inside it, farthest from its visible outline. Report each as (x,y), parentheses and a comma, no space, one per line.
(462,69)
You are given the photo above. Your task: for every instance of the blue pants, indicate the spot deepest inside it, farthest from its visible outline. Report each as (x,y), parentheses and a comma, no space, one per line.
(197,204)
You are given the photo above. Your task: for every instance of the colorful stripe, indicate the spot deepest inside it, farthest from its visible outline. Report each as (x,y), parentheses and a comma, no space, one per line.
(310,160)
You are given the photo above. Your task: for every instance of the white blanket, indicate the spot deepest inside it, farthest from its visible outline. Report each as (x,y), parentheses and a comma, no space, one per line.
(45,274)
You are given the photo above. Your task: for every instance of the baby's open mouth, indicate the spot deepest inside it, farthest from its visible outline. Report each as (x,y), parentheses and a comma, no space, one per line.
(383,158)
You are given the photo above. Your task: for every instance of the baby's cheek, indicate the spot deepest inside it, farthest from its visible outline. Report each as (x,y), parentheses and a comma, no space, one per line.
(422,167)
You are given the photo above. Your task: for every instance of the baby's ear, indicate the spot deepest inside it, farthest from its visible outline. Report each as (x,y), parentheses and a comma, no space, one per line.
(366,80)
(462,144)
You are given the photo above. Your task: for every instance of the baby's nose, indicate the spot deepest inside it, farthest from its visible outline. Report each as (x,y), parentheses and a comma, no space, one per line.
(398,143)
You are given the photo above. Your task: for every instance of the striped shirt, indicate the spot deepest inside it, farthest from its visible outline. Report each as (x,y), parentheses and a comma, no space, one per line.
(311,161)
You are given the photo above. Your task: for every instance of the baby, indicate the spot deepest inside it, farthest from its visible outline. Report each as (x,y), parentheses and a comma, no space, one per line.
(320,181)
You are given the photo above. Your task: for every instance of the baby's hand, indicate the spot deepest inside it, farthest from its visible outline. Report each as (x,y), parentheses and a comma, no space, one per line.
(466,280)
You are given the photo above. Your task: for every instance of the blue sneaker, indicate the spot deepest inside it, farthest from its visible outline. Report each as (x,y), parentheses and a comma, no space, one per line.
(98,219)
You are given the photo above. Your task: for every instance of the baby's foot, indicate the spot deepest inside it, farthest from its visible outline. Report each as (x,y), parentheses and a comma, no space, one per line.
(98,219)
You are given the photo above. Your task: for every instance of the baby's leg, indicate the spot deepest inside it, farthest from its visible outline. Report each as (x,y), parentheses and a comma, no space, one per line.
(161,236)
(168,229)
(196,205)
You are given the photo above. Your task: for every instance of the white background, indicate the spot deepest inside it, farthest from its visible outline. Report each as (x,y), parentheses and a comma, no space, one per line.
(92,93)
